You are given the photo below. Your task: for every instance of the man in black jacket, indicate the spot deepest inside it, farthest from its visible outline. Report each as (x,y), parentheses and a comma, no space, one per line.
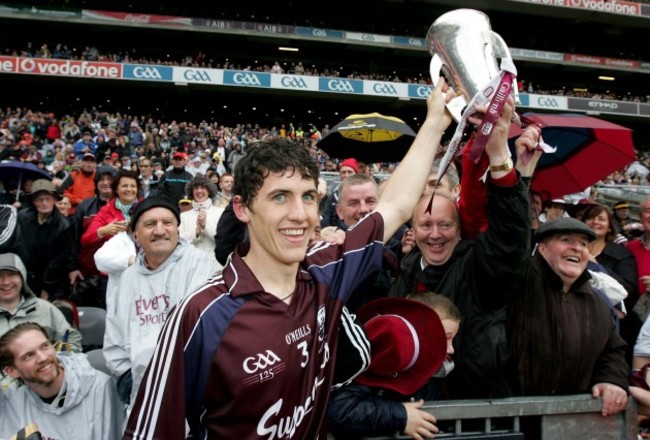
(477,276)
(46,239)
(172,185)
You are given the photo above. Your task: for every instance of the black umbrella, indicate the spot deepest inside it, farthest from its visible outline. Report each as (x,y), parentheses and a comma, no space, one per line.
(15,172)
(369,138)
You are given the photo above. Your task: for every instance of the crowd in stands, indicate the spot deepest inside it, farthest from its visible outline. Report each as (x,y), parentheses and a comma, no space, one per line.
(135,206)
(88,53)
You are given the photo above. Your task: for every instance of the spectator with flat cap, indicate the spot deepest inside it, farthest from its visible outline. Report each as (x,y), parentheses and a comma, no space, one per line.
(561,334)
(166,269)
(626,225)
(80,184)
(46,239)
(172,184)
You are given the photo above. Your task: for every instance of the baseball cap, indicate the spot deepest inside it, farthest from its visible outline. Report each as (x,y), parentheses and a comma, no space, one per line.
(407,342)
(621,205)
(563,225)
(179,155)
(13,263)
(89,156)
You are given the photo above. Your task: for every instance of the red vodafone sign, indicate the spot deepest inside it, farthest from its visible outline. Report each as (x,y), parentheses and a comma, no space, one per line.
(86,69)
(8,64)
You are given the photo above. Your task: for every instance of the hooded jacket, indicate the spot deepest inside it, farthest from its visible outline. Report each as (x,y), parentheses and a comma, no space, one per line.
(90,410)
(480,278)
(45,314)
(145,299)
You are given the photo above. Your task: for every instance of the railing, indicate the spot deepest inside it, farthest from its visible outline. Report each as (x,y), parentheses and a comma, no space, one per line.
(610,194)
(575,417)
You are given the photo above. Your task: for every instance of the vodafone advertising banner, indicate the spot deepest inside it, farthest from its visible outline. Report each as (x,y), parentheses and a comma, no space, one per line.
(74,68)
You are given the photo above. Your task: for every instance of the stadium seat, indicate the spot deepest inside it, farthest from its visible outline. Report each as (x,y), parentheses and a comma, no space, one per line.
(92,323)
(96,359)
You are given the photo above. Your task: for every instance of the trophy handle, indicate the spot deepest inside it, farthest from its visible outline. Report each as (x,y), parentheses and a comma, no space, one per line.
(457,104)
(503,51)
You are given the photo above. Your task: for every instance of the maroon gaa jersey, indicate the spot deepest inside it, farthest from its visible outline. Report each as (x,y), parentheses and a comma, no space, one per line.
(238,363)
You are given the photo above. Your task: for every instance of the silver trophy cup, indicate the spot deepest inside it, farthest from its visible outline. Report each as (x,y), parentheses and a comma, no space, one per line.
(465,50)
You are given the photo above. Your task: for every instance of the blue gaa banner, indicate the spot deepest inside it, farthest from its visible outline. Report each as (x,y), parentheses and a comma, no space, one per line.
(147,73)
(314,32)
(246,78)
(409,41)
(524,99)
(340,85)
(419,91)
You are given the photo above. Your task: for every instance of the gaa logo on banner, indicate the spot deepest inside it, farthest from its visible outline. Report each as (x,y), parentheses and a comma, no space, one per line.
(419,91)
(340,85)
(246,78)
(294,82)
(385,89)
(202,76)
(550,102)
(148,73)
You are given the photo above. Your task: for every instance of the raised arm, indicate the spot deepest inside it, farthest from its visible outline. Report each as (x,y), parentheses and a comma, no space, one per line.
(403,190)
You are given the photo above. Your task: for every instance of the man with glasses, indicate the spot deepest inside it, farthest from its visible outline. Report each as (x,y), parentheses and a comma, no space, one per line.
(172,185)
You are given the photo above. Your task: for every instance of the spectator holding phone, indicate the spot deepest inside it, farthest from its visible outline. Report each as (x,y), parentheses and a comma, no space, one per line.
(113,217)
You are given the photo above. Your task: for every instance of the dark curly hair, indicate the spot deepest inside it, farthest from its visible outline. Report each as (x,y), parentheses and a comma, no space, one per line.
(274,156)
(200,180)
(125,174)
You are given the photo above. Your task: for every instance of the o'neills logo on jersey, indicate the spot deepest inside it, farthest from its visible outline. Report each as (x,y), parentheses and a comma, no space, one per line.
(297,334)
(285,426)
(89,69)
(152,310)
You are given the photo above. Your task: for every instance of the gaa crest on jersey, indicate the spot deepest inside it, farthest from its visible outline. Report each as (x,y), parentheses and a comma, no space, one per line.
(262,367)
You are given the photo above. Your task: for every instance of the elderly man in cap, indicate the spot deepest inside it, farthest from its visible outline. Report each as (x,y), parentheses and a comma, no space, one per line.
(172,184)
(626,225)
(18,304)
(166,269)
(46,239)
(562,337)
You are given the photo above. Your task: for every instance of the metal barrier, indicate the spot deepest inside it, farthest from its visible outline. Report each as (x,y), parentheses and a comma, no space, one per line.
(575,417)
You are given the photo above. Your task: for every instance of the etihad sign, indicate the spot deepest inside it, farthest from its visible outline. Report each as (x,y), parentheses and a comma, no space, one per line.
(86,69)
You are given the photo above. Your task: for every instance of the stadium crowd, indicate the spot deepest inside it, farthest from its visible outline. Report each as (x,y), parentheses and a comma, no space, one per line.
(131,215)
